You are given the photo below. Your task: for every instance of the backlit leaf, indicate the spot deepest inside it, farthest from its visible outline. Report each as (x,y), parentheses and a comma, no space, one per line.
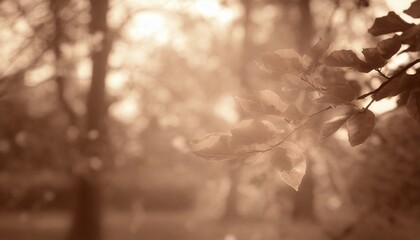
(307,138)
(282,61)
(414,9)
(313,55)
(250,105)
(215,147)
(290,161)
(265,101)
(413,105)
(388,24)
(360,126)
(293,82)
(272,99)
(331,126)
(252,131)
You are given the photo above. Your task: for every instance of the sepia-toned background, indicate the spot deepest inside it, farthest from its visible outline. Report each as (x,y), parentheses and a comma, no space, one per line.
(100,100)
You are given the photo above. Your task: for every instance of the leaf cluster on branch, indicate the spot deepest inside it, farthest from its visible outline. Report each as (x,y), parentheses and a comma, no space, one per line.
(314,76)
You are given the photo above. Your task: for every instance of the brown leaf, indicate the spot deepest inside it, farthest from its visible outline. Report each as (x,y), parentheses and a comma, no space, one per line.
(331,126)
(373,57)
(337,95)
(290,161)
(342,58)
(388,24)
(346,58)
(360,126)
(414,9)
(413,105)
(386,91)
(410,37)
(388,47)
(398,85)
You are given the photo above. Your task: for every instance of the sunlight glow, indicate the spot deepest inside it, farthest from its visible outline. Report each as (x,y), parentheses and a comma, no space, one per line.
(208,8)
(384,105)
(115,81)
(148,24)
(38,75)
(226,109)
(341,134)
(398,6)
(125,110)
(213,9)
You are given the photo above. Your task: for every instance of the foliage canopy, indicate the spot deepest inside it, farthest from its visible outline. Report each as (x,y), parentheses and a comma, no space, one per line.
(315,76)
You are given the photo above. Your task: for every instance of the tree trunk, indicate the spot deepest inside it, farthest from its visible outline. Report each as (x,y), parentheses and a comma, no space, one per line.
(234,168)
(246,44)
(87,217)
(231,210)
(304,198)
(88,213)
(305,32)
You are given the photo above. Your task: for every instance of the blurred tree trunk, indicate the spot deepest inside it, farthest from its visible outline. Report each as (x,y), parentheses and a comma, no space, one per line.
(231,206)
(304,198)
(235,169)
(246,44)
(87,216)
(305,32)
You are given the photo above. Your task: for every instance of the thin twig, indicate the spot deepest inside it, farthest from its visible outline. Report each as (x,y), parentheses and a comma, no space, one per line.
(381,73)
(288,135)
(401,71)
(323,110)
(370,103)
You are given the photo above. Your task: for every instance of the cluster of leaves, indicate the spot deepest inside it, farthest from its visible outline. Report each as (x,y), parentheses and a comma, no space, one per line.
(315,76)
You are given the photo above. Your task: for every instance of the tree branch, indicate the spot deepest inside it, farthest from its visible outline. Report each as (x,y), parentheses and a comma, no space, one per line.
(56,7)
(398,73)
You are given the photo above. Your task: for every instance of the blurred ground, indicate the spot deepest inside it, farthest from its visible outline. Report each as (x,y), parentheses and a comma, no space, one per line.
(120,225)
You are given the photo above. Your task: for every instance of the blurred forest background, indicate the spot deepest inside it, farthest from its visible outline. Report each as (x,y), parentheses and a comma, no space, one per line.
(99,100)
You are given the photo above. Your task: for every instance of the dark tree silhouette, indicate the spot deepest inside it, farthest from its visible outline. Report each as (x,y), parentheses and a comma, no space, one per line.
(88,212)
